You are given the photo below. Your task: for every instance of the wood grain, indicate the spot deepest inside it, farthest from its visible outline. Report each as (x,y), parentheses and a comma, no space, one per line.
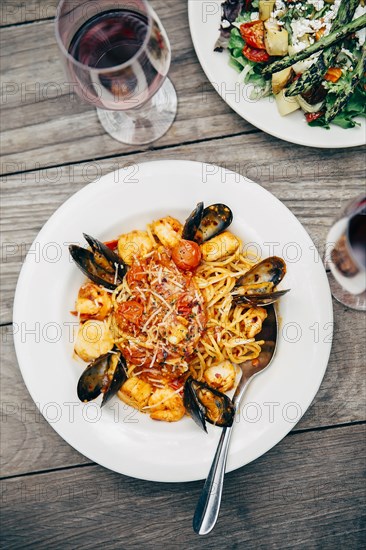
(13,12)
(314,184)
(44,124)
(309,184)
(306,492)
(28,443)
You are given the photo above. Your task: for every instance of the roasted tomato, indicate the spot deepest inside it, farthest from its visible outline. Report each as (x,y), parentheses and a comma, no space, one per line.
(253,34)
(136,356)
(333,74)
(253,54)
(135,274)
(186,255)
(131,311)
(313,116)
(112,245)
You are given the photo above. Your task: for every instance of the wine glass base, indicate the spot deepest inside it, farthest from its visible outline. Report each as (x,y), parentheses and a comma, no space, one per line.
(353,301)
(146,124)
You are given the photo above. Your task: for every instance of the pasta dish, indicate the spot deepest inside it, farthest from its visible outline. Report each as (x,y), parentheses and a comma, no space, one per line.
(169,311)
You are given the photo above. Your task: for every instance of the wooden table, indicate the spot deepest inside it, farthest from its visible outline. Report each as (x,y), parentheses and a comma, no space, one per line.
(307,491)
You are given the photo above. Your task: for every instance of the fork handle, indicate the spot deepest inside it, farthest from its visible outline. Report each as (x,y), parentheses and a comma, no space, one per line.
(208,506)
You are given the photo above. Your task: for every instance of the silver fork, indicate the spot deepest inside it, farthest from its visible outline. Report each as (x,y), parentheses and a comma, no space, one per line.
(208,505)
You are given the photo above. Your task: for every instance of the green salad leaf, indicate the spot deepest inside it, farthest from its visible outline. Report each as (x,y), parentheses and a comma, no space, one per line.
(251,72)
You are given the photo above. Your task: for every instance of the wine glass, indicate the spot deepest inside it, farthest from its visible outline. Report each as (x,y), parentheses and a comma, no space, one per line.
(345,256)
(117,55)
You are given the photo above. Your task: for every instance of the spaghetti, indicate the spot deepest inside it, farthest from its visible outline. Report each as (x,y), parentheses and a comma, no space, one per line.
(171,320)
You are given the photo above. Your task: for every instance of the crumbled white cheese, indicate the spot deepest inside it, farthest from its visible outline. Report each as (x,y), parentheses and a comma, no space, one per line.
(254,16)
(225,24)
(279,9)
(347,53)
(318,4)
(360,35)
(302,26)
(360,10)
(302,66)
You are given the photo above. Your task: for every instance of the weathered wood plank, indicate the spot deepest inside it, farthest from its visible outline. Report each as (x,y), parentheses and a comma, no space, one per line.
(44,124)
(296,175)
(279,501)
(13,12)
(30,444)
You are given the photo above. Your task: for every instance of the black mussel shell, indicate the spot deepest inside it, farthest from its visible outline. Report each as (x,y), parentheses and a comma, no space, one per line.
(206,403)
(204,224)
(99,264)
(119,376)
(215,219)
(95,379)
(259,283)
(271,270)
(192,223)
(193,405)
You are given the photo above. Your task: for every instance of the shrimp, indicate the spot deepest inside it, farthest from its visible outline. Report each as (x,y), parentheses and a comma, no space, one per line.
(220,246)
(93,301)
(135,392)
(253,321)
(135,243)
(93,340)
(168,230)
(221,377)
(167,405)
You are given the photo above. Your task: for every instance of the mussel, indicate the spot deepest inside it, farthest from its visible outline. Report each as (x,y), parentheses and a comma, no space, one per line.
(205,223)
(100,264)
(257,286)
(206,403)
(104,375)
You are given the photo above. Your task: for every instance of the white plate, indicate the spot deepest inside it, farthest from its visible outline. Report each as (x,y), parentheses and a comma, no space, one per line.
(204,22)
(123,439)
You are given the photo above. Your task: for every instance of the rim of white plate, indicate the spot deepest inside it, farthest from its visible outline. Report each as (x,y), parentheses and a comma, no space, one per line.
(258,113)
(133,465)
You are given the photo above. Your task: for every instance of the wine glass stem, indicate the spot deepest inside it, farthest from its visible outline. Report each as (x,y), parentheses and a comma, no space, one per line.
(145,123)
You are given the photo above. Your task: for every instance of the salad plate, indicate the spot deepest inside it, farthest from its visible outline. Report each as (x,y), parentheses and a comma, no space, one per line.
(204,22)
(117,436)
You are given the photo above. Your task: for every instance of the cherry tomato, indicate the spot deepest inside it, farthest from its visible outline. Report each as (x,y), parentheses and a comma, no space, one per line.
(313,116)
(136,356)
(258,56)
(112,244)
(186,255)
(131,311)
(135,274)
(185,304)
(333,74)
(253,34)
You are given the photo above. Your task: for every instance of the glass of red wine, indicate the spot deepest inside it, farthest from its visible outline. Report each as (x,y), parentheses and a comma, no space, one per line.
(117,56)
(345,256)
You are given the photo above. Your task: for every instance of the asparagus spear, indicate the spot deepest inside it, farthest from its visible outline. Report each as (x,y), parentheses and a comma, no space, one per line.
(314,75)
(345,95)
(324,42)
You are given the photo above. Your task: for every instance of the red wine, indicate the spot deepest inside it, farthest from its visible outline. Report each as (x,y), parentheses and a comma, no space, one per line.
(108,41)
(357,236)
